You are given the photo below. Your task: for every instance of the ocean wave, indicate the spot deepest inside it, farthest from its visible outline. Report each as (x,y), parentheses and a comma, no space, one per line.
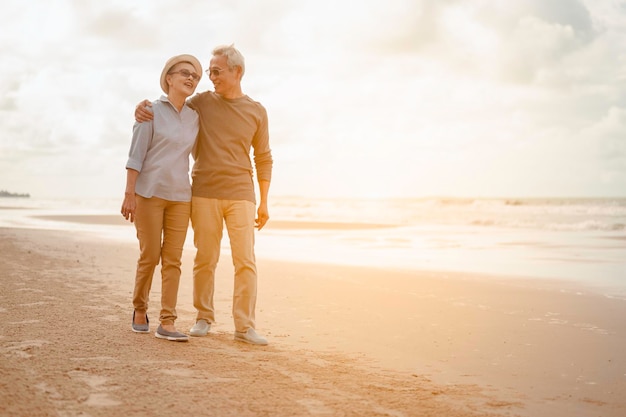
(587,225)
(600,214)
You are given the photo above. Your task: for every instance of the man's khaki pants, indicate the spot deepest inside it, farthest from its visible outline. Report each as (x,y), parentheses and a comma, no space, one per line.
(161,229)
(208,216)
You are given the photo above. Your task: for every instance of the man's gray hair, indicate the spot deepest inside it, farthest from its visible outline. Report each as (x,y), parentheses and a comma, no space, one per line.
(233,56)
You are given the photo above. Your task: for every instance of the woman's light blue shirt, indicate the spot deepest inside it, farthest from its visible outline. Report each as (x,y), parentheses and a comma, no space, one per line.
(160,152)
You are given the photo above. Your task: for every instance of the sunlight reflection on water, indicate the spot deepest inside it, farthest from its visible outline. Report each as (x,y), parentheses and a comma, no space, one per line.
(593,255)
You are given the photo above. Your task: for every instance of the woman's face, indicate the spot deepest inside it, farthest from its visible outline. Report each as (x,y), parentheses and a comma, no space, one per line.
(183,79)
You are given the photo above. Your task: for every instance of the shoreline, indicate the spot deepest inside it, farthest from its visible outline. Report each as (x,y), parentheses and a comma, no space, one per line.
(109,219)
(531,346)
(592,260)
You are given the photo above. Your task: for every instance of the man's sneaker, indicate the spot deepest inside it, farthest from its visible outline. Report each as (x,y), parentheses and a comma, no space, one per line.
(201,328)
(250,337)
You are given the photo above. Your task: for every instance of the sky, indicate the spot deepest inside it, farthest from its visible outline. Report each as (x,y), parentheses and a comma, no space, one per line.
(366,99)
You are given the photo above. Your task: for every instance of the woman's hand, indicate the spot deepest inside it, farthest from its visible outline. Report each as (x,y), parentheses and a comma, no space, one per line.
(128,207)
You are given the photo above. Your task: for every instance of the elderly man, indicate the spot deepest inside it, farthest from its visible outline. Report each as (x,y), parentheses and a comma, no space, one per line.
(231,124)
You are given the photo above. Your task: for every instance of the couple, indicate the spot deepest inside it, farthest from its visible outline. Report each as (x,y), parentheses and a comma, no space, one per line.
(218,129)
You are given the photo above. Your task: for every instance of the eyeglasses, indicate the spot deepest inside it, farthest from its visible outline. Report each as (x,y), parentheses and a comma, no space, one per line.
(213,72)
(186,74)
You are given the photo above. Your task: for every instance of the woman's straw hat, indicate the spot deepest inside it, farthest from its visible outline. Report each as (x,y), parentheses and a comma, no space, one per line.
(175,60)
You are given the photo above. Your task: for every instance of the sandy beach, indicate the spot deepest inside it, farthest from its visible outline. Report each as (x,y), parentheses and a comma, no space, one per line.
(344,341)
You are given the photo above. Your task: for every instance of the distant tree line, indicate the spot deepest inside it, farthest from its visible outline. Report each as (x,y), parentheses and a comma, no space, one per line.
(5,193)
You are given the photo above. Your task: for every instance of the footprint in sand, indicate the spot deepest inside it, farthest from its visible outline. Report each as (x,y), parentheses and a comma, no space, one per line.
(98,397)
(24,322)
(36,303)
(49,391)
(101,399)
(97,308)
(23,349)
(189,377)
(110,318)
(315,407)
(298,377)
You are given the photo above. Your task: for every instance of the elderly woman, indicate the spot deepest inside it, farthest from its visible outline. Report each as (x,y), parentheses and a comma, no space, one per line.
(158,193)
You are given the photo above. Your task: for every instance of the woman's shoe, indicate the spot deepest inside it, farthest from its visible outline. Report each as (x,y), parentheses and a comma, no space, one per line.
(141,328)
(161,333)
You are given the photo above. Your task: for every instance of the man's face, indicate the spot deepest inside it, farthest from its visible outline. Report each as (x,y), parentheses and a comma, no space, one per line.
(224,80)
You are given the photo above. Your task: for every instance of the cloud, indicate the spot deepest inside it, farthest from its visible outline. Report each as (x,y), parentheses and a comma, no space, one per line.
(117,27)
(364,97)
(608,139)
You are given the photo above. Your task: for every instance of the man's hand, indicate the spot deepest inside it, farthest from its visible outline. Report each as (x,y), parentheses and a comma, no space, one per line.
(141,114)
(262,216)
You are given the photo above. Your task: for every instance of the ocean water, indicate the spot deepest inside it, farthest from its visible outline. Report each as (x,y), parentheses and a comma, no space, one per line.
(579,240)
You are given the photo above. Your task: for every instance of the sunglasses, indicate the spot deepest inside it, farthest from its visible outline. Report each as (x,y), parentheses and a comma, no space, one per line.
(213,72)
(186,74)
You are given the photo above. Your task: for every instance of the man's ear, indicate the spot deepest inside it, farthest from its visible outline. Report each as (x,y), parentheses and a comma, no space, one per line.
(238,71)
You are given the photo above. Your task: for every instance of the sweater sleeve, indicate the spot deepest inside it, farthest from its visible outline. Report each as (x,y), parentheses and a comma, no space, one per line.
(263,160)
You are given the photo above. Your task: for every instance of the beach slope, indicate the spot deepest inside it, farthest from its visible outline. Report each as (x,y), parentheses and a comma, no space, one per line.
(344,341)
(67,350)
